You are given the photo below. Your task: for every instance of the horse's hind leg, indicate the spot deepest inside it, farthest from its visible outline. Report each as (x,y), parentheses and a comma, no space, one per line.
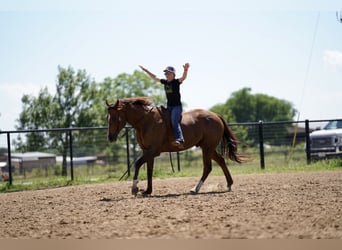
(220,160)
(207,167)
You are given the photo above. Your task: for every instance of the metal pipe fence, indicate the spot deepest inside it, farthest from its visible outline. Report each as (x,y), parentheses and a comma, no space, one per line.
(269,142)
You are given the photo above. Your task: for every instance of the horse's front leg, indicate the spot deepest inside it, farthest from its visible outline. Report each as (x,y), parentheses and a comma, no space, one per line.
(137,166)
(150,163)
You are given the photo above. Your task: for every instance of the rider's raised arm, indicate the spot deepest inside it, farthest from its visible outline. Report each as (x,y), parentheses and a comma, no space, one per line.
(185,72)
(153,76)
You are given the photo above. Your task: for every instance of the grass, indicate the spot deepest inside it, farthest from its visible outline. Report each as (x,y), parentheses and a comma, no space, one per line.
(191,166)
(82,175)
(235,169)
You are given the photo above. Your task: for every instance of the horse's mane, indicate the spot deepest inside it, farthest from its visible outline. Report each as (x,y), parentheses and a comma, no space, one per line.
(139,101)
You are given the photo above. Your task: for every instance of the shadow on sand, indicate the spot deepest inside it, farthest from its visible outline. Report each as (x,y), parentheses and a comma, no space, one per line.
(160,196)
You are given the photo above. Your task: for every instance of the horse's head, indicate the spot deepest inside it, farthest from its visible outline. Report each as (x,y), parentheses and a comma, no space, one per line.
(116,120)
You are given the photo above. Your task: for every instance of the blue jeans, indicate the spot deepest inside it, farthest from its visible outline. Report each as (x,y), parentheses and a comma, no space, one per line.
(176,116)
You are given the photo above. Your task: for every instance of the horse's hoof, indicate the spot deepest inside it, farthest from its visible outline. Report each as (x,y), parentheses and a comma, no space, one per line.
(229,189)
(135,191)
(193,191)
(146,194)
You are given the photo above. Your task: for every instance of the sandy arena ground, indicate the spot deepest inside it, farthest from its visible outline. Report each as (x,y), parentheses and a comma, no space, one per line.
(292,205)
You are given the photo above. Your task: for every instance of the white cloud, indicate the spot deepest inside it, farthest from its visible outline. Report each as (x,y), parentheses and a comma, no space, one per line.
(333,59)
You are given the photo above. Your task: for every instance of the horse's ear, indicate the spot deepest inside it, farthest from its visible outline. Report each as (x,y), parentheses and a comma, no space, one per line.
(117,105)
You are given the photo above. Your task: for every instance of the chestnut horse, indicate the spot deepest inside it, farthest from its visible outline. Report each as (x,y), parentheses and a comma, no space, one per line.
(154,134)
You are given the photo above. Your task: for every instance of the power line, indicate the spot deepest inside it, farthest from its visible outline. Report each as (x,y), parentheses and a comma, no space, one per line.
(308,66)
(309,63)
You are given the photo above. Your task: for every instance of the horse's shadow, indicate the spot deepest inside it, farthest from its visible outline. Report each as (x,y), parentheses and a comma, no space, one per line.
(187,194)
(161,196)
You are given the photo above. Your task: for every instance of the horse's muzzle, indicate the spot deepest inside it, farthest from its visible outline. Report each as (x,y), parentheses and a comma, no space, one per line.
(111,138)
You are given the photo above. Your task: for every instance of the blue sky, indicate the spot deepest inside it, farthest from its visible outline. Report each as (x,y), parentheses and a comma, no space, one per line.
(273,47)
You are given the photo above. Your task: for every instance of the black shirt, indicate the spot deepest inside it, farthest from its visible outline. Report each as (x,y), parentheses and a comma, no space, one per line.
(172,92)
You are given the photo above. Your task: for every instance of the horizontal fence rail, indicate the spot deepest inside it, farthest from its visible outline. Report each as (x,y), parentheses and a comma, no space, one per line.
(260,139)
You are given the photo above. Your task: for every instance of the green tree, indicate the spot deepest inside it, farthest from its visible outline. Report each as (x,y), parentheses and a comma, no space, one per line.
(36,111)
(247,107)
(268,108)
(71,106)
(225,111)
(241,103)
(242,106)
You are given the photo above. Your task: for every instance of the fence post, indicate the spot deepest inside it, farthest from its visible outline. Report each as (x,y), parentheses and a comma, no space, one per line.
(127,153)
(71,156)
(178,162)
(261,145)
(307,142)
(9,158)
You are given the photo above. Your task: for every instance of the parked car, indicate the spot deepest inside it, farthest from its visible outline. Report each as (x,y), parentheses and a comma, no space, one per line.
(327,142)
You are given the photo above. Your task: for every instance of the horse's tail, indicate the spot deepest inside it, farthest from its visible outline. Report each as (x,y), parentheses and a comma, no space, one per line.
(229,144)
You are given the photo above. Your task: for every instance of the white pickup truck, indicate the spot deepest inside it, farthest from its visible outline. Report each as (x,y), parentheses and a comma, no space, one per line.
(328,141)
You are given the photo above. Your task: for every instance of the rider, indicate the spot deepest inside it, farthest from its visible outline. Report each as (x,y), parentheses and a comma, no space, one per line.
(174,104)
